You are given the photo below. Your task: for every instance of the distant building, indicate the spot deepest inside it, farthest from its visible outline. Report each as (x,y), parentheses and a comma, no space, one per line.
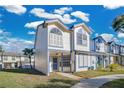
(10,60)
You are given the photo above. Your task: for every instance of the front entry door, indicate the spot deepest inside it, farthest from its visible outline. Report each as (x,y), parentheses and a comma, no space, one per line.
(55,64)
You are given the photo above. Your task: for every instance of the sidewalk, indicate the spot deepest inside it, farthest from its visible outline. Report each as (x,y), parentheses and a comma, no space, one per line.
(69,75)
(97,81)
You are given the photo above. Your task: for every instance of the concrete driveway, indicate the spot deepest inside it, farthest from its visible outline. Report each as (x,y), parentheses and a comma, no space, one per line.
(97,81)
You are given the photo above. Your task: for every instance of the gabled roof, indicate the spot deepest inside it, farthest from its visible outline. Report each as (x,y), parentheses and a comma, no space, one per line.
(89,30)
(56,22)
(100,37)
(112,42)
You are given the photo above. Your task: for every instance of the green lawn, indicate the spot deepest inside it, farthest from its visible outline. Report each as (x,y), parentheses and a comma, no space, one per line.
(94,73)
(118,83)
(27,78)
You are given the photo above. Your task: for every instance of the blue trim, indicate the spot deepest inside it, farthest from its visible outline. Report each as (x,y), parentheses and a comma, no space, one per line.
(82,66)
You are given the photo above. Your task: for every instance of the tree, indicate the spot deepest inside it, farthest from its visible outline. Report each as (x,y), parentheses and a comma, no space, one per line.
(2,51)
(29,52)
(118,24)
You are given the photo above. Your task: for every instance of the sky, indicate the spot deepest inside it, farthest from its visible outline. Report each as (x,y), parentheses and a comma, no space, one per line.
(18,23)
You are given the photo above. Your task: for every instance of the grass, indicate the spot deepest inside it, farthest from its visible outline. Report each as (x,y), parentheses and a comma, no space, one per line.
(95,73)
(118,83)
(29,78)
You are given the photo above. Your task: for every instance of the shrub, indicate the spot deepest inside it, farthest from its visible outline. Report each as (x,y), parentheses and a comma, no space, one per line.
(113,67)
(100,67)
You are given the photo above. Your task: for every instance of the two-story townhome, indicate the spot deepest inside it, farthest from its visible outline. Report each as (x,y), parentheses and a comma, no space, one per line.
(114,52)
(9,60)
(53,47)
(81,47)
(101,49)
(59,48)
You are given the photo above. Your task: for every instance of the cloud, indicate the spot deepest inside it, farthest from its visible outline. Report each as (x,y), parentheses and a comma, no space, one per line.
(1,31)
(120,35)
(31,33)
(83,16)
(62,10)
(33,25)
(108,37)
(112,6)
(15,44)
(41,13)
(16,9)
(4,33)
(96,34)
(10,43)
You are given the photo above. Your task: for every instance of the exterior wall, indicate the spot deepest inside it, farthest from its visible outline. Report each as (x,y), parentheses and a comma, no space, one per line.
(42,53)
(102,47)
(87,61)
(66,39)
(93,61)
(81,47)
(51,64)
(9,59)
(122,59)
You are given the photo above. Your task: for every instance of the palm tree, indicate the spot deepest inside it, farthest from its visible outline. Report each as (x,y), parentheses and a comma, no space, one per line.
(118,24)
(2,51)
(29,52)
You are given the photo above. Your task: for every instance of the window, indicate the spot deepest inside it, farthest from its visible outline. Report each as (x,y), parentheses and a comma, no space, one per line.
(55,38)
(97,46)
(81,37)
(66,61)
(5,58)
(83,60)
(84,39)
(13,58)
(26,59)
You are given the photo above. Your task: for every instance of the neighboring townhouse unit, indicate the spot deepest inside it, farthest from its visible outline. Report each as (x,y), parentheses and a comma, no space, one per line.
(59,48)
(122,54)
(10,60)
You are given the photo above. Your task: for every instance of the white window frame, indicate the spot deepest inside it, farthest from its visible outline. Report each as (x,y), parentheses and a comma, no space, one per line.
(55,40)
(80,37)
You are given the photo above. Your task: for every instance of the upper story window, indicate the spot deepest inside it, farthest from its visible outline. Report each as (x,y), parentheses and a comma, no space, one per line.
(81,37)
(5,58)
(55,38)
(122,49)
(97,46)
(26,59)
(13,58)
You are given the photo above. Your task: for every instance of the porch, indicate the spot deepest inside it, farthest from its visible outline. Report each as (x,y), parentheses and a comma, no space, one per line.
(60,61)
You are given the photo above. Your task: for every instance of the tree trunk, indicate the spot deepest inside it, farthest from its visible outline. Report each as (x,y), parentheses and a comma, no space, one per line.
(2,59)
(20,62)
(30,61)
